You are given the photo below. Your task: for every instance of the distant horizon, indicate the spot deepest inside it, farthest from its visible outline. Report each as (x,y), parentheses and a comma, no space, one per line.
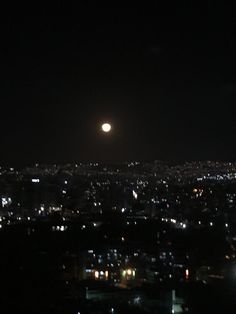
(178,162)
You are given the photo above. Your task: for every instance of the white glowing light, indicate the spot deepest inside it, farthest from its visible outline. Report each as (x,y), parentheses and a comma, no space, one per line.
(35,180)
(186,273)
(106,127)
(135,195)
(137,300)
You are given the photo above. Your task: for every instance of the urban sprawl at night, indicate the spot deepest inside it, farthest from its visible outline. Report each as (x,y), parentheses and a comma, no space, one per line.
(132,237)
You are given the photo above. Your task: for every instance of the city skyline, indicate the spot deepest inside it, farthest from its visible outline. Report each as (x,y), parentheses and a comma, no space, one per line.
(129,238)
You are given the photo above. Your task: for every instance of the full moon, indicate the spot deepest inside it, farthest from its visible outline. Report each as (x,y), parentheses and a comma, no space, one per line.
(106,127)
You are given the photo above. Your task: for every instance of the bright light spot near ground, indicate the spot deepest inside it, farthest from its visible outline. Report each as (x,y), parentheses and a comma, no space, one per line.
(35,180)
(186,273)
(135,195)
(137,300)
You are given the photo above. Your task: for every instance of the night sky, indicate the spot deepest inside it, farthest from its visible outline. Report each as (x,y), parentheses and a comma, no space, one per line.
(163,76)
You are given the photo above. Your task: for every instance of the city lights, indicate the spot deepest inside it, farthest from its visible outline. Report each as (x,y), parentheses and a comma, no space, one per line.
(135,195)
(186,273)
(35,180)
(141,211)
(118,157)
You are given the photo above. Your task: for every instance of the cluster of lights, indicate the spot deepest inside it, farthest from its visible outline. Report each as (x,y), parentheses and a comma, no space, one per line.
(198,192)
(35,180)
(59,228)
(101,274)
(128,273)
(182,225)
(6,201)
